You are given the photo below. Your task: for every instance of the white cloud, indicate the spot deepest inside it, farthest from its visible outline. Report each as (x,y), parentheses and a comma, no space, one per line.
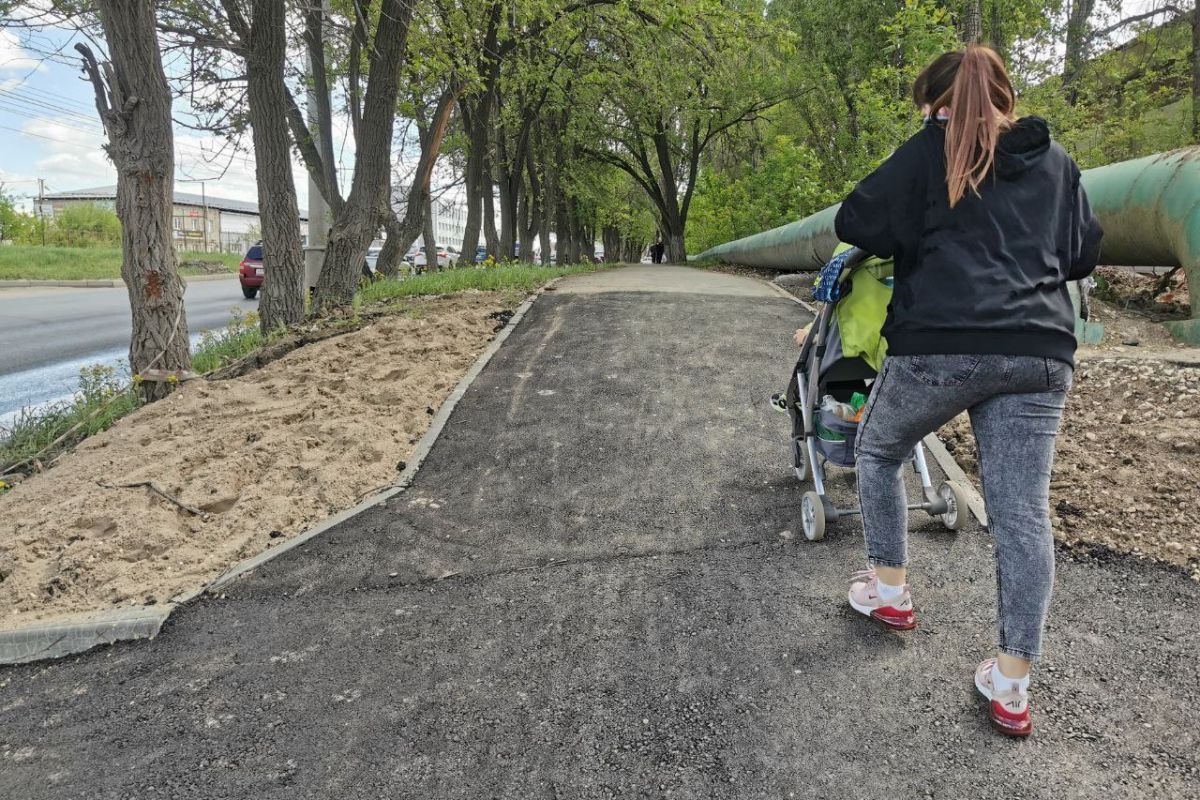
(13,56)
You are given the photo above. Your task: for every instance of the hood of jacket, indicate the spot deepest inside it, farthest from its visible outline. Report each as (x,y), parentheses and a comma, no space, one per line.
(1021,147)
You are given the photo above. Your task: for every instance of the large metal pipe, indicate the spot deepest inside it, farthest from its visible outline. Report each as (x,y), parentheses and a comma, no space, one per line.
(1149,207)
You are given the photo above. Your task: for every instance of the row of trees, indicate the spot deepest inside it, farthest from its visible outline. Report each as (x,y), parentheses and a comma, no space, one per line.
(693,121)
(585,119)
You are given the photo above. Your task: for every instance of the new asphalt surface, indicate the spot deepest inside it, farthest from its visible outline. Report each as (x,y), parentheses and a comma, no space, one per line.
(586,594)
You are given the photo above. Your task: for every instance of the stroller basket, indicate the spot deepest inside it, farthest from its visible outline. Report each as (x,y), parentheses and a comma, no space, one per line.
(835,438)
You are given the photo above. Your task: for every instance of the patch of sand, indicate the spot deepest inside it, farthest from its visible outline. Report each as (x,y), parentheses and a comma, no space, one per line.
(265,456)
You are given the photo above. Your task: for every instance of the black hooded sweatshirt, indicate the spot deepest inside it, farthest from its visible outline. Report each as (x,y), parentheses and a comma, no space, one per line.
(989,275)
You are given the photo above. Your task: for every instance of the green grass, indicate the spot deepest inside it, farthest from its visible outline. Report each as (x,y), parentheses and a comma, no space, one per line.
(103,398)
(30,262)
(520,277)
(217,348)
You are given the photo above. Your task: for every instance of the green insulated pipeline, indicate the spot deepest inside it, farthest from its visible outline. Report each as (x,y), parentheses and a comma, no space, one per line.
(1149,207)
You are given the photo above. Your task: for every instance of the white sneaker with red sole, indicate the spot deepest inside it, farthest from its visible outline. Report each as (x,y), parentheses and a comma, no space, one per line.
(1008,711)
(896,613)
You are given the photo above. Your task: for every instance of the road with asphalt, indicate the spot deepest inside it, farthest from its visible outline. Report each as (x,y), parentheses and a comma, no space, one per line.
(595,588)
(48,334)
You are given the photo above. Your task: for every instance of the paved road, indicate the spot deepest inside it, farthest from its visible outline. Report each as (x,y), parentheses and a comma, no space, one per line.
(48,334)
(584,595)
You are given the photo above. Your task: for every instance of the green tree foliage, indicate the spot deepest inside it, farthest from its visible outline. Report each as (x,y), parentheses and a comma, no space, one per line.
(84,225)
(1131,101)
(784,187)
(15,225)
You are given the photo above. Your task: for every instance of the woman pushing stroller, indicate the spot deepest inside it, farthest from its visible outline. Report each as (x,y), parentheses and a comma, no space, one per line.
(986,221)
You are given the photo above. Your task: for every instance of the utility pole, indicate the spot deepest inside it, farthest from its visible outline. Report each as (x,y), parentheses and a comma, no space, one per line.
(40,213)
(318,210)
(204,202)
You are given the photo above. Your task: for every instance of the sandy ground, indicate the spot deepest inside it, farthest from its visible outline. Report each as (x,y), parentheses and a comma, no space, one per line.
(264,456)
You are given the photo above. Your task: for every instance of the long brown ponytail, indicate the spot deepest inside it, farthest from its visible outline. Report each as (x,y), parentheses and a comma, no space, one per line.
(975,86)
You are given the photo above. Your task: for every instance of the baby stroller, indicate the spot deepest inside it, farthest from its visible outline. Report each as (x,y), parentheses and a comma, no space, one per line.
(820,436)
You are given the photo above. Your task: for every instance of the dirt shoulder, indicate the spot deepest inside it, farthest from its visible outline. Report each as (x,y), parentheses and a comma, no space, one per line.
(263,457)
(1127,469)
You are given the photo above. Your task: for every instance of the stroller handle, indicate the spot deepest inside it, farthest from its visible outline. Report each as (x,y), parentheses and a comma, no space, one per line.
(855,258)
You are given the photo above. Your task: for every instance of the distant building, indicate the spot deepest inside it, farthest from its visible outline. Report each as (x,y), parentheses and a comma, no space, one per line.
(201,223)
(449,219)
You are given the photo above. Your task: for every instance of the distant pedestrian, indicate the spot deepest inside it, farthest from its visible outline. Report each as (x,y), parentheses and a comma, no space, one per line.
(656,252)
(986,220)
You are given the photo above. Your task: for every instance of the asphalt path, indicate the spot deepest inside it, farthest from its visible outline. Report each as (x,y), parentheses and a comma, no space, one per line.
(48,334)
(586,594)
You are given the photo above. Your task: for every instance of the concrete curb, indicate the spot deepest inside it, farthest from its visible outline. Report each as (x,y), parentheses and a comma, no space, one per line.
(113,283)
(809,307)
(934,445)
(67,636)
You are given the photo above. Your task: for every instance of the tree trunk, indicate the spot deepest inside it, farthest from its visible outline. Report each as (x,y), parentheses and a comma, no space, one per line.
(429,237)
(134,104)
(356,223)
(283,262)
(676,250)
(611,238)
(587,240)
(403,232)
(477,136)
(970,27)
(1196,73)
(490,237)
(524,212)
(996,36)
(391,255)
(508,199)
(1078,15)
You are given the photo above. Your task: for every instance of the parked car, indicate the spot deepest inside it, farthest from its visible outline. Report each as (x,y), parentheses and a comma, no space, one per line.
(443,259)
(250,271)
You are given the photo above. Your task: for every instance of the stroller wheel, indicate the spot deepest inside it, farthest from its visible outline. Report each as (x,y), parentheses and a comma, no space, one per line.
(800,459)
(812,516)
(955,515)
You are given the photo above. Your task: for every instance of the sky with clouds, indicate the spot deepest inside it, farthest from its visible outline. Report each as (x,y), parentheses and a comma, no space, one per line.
(50,130)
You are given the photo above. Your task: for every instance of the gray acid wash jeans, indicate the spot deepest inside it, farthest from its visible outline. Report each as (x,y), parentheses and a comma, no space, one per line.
(1016,404)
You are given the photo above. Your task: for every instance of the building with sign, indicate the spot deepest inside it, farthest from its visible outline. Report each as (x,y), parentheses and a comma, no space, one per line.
(201,223)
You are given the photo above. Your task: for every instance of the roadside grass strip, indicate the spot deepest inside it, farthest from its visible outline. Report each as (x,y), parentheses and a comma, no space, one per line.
(31,262)
(520,277)
(41,433)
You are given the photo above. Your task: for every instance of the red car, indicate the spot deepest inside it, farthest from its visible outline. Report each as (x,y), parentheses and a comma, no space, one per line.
(250,271)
